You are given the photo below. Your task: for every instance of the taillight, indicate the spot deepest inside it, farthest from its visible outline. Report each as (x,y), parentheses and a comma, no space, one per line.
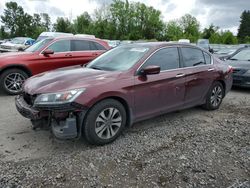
(230,69)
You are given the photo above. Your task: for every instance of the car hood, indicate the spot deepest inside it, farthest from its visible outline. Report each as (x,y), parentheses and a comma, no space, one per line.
(67,79)
(11,44)
(239,64)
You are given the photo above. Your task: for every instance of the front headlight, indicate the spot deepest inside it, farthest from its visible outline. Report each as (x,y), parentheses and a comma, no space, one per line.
(58,98)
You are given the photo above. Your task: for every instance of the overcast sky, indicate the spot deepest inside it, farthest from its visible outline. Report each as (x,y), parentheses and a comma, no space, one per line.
(222,13)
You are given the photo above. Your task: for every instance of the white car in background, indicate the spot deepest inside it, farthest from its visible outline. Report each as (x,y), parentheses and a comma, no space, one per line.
(16,44)
(44,35)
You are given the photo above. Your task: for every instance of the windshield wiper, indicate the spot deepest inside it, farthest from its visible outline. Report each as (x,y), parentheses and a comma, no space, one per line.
(233,59)
(96,68)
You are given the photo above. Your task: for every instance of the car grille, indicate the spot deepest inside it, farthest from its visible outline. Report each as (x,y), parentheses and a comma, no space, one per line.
(29,98)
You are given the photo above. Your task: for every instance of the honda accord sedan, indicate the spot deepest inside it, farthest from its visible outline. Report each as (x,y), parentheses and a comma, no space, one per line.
(125,85)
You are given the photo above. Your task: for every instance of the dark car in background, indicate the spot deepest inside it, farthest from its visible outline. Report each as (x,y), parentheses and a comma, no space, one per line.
(240,61)
(125,85)
(45,55)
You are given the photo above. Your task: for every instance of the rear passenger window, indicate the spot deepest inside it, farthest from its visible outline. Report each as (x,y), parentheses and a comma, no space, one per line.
(96,46)
(207,58)
(167,59)
(192,57)
(80,45)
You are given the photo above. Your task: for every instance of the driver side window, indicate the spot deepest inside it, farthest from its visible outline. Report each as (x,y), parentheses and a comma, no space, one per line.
(60,46)
(166,59)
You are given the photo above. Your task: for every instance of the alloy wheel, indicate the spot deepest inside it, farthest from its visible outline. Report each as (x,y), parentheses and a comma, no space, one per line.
(216,96)
(108,123)
(13,82)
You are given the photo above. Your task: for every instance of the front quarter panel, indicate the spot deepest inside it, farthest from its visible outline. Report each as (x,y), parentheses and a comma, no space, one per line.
(120,87)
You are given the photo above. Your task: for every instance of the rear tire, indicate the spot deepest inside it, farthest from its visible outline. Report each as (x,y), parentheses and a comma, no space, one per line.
(11,81)
(104,122)
(214,96)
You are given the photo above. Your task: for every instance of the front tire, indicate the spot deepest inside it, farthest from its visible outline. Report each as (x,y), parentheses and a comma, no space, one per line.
(104,122)
(11,81)
(215,96)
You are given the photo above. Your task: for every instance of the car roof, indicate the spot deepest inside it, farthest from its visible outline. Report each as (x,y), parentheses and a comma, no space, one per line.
(74,37)
(159,44)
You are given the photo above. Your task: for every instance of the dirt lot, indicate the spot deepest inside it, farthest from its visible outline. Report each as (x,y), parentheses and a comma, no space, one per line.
(190,148)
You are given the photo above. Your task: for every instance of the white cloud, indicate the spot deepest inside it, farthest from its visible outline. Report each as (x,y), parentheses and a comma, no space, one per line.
(171,9)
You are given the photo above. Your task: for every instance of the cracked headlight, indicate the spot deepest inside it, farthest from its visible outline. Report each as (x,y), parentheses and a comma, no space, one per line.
(58,98)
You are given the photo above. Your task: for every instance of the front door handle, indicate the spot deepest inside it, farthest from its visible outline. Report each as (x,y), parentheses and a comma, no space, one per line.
(180,75)
(68,55)
(211,69)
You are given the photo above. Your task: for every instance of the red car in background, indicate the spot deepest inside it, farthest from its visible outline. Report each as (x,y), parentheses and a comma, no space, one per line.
(45,55)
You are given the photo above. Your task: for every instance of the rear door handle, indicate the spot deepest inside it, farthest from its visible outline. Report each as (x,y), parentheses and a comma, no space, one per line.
(180,75)
(211,69)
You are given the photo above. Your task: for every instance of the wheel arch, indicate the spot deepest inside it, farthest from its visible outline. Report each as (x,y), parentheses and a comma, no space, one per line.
(224,86)
(125,104)
(21,67)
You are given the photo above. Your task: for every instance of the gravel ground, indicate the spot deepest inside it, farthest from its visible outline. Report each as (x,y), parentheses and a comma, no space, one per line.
(190,148)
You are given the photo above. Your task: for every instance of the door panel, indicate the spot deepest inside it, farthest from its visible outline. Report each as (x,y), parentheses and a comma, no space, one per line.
(199,75)
(155,94)
(160,93)
(198,82)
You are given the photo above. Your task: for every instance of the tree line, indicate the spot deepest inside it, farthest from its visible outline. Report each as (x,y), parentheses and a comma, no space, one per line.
(122,20)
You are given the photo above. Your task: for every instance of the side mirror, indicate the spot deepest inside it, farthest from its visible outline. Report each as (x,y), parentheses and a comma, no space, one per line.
(152,69)
(47,52)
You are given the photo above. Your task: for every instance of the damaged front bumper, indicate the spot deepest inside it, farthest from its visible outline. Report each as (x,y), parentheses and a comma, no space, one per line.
(65,120)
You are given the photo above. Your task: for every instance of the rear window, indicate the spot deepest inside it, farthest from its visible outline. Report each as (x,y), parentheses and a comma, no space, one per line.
(192,57)
(80,45)
(96,46)
(84,45)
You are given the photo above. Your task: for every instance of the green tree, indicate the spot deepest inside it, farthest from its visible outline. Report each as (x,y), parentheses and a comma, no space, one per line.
(46,21)
(244,28)
(227,37)
(82,23)
(16,20)
(190,27)
(63,25)
(208,32)
(3,33)
(173,31)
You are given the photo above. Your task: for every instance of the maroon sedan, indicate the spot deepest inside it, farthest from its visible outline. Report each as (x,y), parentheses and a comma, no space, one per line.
(124,85)
(45,55)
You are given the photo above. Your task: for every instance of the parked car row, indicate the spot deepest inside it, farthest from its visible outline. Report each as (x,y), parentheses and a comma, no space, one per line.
(125,85)
(47,54)
(16,44)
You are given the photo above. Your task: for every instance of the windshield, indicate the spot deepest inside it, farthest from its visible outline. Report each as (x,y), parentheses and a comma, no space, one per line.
(243,55)
(41,38)
(118,59)
(18,40)
(38,45)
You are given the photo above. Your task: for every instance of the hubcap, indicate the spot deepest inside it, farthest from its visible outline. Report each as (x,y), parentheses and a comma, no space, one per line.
(216,96)
(13,82)
(108,123)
